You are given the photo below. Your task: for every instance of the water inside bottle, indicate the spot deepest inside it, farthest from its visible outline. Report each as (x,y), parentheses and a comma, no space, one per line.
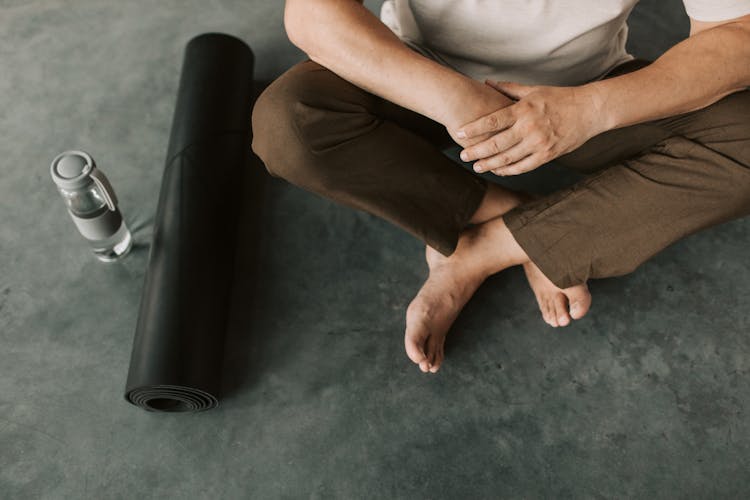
(115,247)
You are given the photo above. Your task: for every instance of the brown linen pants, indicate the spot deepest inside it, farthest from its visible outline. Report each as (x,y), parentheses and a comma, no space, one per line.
(649,185)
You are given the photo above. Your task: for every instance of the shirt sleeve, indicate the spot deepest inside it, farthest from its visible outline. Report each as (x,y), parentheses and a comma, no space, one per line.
(716,10)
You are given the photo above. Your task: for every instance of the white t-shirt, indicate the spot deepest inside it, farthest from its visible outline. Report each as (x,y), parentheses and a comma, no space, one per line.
(553,42)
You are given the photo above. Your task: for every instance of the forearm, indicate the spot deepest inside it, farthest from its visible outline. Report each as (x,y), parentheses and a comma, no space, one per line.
(691,75)
(348,39)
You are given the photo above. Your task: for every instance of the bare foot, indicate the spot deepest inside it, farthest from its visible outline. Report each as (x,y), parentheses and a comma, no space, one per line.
(482,251)
(559,306)
(432,312)
(553,302)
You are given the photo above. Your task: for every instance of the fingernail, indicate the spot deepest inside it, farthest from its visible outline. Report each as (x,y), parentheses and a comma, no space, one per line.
(477,167)
(461,134)
(464,156)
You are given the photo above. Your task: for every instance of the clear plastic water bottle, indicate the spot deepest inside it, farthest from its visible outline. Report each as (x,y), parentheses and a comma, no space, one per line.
(92,204)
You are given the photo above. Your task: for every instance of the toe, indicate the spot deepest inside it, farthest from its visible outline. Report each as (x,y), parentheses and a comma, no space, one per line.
(561,309)
(415,349)
(579,299)
(433,346)
(543,308)
(438,360)
(551,315)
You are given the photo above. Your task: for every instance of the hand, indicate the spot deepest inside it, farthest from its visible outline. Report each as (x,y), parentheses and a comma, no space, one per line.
(544,123)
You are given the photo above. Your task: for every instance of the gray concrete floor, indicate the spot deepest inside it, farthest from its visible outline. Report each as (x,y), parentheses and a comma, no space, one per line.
(646,397)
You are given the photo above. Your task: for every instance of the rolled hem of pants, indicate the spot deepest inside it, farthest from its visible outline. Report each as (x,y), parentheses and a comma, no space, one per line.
(536,249)
(446,243)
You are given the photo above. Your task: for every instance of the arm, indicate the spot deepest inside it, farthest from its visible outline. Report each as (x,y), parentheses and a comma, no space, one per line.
(348,39)
(712,63)
(548,122)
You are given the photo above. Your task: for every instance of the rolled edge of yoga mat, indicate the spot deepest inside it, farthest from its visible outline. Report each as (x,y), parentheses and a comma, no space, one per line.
(177,351)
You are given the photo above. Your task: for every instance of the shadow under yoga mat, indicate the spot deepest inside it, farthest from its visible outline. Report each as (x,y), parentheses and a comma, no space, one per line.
(179,340)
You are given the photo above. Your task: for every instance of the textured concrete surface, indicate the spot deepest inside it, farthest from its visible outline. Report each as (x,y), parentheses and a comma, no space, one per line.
(647,397)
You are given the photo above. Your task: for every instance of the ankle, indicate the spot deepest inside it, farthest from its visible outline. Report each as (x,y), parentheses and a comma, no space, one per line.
(492,247)
(496,202)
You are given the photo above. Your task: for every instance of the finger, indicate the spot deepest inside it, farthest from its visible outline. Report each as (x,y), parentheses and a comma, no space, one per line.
(492,146)
(508,157)
(493,122)
(511,89)
(525,165)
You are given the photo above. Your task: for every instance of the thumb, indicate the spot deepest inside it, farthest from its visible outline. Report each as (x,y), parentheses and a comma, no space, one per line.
(511,89)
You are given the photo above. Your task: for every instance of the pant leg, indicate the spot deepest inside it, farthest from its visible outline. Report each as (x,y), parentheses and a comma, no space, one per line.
(328,136)
(660,182)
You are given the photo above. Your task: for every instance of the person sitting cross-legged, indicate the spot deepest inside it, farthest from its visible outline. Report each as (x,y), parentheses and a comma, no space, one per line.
(363,121)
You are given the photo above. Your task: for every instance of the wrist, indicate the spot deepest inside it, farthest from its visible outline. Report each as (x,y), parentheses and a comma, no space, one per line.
(470,99)
(601,116)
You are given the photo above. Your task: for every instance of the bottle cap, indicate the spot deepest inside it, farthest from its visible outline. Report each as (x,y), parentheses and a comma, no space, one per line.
(71,169)
(76,169)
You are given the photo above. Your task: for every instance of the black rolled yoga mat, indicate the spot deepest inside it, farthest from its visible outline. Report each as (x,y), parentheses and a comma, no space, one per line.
(179,339)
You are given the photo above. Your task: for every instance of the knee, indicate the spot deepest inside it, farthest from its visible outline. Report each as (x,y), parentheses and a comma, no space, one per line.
(299,118)
(726,127)
(272,126)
